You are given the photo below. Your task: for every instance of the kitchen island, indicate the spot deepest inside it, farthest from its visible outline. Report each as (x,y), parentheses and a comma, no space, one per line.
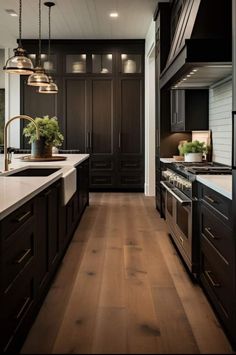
(38,217)
(16,191)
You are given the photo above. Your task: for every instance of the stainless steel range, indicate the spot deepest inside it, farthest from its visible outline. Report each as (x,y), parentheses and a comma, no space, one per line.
(181,206)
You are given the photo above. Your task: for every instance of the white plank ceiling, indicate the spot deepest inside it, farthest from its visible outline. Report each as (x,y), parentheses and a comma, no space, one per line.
(78,19)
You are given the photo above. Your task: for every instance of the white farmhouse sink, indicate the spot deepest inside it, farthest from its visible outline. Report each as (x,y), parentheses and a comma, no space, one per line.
(69,185)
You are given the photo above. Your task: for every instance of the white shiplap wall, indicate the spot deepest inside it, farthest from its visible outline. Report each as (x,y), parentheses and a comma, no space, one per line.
(220,121)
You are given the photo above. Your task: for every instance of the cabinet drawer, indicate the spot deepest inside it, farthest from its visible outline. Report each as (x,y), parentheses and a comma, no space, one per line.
(18,250)
(218,277)
(131,179)
(101,164)
(217,233)
(15,306)
(101,180)
(220,203)
(16,219)
(128,164)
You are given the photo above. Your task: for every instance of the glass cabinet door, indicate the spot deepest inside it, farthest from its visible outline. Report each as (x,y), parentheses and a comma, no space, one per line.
(76,63)
(50,66)
(131,63)
(102,63)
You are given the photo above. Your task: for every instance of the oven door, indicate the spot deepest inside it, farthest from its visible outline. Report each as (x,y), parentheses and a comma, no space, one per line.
(179,220)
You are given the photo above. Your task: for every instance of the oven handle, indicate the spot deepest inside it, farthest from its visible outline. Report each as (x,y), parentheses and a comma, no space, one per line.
(183,202)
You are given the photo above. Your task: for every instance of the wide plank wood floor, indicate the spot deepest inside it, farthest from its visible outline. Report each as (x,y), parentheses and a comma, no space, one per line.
(122,289)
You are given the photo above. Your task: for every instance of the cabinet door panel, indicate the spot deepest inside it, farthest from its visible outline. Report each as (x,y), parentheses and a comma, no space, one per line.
(75,110)
(131,116)
(53,235)
(102,116)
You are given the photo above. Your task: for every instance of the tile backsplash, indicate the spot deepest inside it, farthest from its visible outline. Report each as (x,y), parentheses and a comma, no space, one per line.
(220,122)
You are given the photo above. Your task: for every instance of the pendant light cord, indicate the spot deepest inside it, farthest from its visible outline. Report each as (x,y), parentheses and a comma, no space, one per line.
(20,18)
(49,33)
(39,61)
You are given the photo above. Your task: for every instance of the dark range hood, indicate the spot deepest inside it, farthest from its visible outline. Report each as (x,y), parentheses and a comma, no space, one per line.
(201,50)
(199,64)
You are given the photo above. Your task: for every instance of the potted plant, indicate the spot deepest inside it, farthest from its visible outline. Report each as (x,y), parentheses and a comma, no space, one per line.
(50,136)
(193,151)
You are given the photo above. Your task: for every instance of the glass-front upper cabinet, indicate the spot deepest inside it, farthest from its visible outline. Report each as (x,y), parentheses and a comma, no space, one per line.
(50,65)
(131,63)
(76,63)
(102,63)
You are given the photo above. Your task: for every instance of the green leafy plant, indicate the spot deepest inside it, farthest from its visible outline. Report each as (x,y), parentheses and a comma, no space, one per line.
(193,147)
(48,130)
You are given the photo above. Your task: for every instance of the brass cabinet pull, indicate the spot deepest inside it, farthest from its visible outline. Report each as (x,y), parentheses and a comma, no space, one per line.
(27,300)
(210,199)
(23,257)
(25,215)
(214,283)
(208,230)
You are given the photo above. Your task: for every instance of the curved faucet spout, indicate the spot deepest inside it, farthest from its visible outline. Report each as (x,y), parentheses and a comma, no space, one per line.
(21,117)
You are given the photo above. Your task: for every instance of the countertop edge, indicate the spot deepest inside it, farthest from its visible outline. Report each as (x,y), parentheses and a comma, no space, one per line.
(83,159)
(42,186)
(214,186)
(28,197)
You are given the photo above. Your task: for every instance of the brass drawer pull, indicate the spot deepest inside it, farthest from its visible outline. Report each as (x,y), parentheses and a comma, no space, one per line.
(214,283)
(208,230)
(25,215)
(210,199)
(23,257)
(27,300)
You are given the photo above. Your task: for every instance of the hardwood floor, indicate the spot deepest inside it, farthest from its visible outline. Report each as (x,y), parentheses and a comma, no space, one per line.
(122,289)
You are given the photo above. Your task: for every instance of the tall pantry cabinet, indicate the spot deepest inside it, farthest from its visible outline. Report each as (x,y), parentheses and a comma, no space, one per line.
(100,106)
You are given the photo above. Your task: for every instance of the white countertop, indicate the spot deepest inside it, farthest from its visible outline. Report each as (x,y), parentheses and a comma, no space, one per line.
(220,183)
(167,160)
(15,191)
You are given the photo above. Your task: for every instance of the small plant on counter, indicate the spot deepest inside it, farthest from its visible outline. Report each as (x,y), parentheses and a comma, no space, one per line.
(48,129)
(193,151)
(50,136)
(193,147)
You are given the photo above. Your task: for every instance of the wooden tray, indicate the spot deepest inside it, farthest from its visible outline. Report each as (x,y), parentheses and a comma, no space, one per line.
(29,158)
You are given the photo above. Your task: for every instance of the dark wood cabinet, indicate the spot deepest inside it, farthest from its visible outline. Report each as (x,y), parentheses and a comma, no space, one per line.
(217,256)
(83,185)
(47,208)
(76,113)
(189,110)
(101,133)
(130,133)
(17,278)
(33,240)
(100,107)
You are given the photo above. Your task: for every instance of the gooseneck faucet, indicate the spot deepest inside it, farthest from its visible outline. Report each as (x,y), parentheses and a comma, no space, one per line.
(21,117)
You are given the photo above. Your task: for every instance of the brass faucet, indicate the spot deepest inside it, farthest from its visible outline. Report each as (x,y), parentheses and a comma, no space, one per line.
(7,160)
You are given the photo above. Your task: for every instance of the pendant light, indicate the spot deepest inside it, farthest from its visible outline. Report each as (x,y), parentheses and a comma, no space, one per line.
(51,88)
(19,63)
(39,78)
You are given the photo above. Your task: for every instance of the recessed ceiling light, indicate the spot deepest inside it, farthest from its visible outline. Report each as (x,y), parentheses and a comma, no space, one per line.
(114,14)
(11,12)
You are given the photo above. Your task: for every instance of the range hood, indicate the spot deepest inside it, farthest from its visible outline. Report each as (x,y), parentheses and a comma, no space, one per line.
(199,64)
(201,49)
